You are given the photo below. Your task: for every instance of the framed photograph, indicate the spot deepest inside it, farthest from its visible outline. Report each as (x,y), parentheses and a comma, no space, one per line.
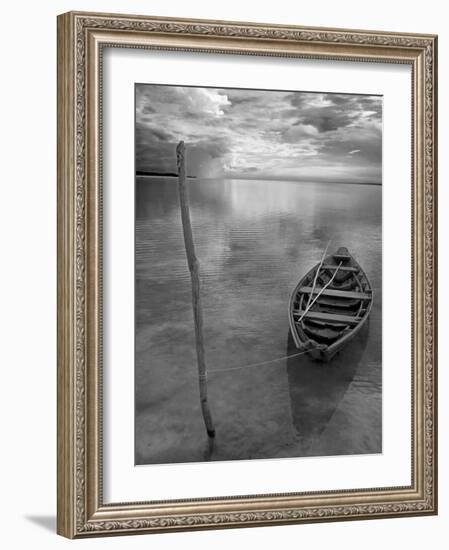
(246,274)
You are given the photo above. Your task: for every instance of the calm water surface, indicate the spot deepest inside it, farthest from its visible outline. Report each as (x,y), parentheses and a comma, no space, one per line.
(254,240)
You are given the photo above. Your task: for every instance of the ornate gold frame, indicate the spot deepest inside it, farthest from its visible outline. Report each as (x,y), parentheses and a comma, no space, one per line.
(81,37)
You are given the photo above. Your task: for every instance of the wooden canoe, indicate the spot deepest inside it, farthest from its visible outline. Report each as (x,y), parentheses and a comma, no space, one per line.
(341,303)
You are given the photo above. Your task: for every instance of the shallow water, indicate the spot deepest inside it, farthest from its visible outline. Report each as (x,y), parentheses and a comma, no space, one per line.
(254,240)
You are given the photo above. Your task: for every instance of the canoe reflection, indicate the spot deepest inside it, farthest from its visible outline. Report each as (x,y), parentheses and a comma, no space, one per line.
(316,389)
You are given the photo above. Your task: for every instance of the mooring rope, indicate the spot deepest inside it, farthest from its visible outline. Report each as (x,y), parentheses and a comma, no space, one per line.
(260,364)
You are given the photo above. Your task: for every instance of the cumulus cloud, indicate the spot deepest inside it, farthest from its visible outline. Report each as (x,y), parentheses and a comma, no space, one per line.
(182,100)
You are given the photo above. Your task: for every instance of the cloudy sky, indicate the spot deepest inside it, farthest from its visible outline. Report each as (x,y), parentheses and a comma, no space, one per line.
(237,133)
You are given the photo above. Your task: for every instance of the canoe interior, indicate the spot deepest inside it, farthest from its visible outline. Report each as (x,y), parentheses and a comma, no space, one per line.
(337,313)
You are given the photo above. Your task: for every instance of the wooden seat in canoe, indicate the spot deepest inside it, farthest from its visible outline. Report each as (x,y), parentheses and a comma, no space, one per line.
(338,302)
(345,319)
(341,257)
(341,268)
(336,293)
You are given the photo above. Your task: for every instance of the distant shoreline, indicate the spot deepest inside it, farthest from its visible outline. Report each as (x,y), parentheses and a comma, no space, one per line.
(159,174)
(293,180)
(170,175)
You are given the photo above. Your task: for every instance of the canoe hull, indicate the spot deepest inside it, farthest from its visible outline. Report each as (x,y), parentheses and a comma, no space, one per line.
(341,303)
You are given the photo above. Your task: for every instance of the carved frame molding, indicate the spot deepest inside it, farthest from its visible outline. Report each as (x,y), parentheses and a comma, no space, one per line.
(81,39)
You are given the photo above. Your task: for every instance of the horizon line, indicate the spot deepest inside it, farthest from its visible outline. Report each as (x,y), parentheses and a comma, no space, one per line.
(261,178)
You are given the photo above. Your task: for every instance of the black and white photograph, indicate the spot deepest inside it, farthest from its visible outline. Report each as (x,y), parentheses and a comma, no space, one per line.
(258,274)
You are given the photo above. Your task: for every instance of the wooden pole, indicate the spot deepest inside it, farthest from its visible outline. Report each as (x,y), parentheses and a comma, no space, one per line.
(194,268)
